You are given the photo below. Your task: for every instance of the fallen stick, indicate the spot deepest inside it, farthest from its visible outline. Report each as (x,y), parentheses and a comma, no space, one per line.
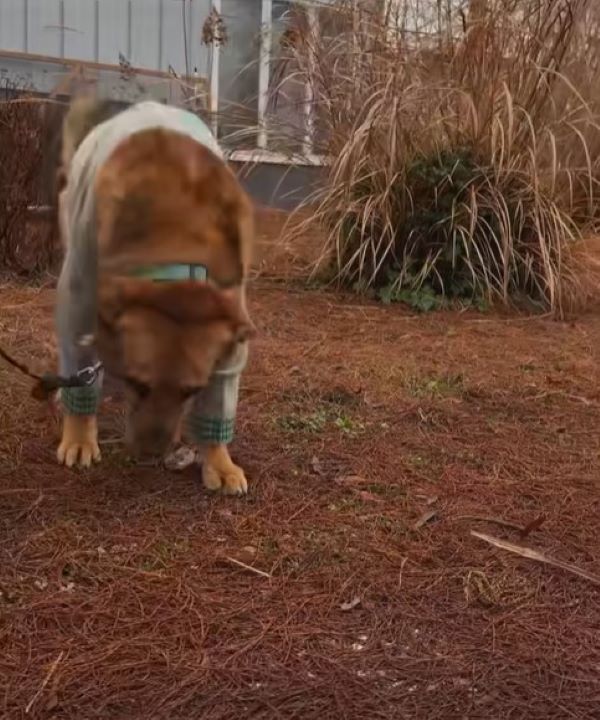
(46,680)
(535,555)
(262,573)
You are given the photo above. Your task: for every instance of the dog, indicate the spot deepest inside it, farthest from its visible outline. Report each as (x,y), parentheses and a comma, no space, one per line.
(157,235)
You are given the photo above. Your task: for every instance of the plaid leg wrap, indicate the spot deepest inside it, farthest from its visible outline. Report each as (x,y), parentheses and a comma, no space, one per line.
(212,418)
(80,400)
(210,430)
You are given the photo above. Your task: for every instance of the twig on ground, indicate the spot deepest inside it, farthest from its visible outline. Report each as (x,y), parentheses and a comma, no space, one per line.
(262,573)
(402,564)
(46,680)
(536,555)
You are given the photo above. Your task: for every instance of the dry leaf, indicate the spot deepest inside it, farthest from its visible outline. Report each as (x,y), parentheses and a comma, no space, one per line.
(52,701)
(347,606)
(532,526)
(315,465)
(180,459)
(424,519)
(367,496)
(248,553)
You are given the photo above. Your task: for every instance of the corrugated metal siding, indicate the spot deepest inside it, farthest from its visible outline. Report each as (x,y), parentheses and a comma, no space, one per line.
(146,35)
(113,31)
(149,33)
(79,30)
(12,25)
(44,31)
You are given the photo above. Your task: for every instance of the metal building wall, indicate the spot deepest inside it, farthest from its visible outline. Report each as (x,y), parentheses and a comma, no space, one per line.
(36,36)
(149,33)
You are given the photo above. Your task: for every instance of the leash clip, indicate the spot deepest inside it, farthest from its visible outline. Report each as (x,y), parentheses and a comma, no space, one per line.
(49,383)
(87,376)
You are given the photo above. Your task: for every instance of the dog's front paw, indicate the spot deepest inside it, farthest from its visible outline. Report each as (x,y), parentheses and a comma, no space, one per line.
(79,444)
(219,472)
(230,482)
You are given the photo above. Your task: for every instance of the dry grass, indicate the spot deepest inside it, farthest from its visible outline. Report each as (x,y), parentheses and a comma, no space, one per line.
(464,152)
(27,248)
(118,596)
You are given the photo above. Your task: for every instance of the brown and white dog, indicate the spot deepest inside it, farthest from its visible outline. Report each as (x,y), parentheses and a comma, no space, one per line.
(144,191)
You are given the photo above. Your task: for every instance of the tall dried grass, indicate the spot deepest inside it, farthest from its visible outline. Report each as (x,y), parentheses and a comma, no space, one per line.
(464,148)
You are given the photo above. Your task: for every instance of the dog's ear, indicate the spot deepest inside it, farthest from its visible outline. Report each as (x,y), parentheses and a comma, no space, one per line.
(181,302)
(111,299)
(236,312)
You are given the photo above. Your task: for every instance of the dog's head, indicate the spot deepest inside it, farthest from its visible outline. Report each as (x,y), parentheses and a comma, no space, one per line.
(164,340)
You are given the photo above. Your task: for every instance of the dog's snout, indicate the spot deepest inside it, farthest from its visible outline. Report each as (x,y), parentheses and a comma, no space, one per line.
(151,442)
(158,437)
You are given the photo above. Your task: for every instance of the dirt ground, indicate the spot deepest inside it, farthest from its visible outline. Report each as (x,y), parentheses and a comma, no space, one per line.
(348,583)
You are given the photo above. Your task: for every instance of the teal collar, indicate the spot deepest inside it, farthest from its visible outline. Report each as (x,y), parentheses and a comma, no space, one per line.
(172,272)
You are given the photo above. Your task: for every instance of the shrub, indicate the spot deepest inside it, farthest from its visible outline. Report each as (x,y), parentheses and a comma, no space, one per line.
(463,151)
(27,245)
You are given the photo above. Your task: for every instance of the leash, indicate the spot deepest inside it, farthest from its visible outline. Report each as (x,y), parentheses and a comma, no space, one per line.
(48,383)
